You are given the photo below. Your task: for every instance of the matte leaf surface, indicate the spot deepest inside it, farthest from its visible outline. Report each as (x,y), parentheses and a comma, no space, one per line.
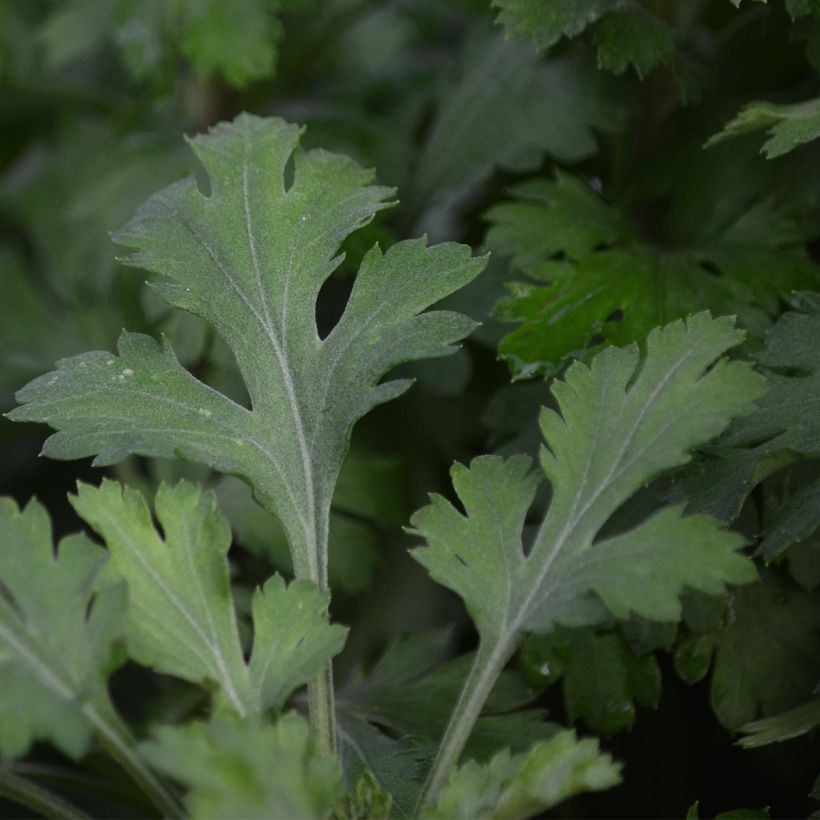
(250,258)
(519,786)
(621,422)
(593,280)
(245,769)
(182,618)
(57,637)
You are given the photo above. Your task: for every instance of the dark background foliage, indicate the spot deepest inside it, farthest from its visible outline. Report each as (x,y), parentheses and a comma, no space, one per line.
(635,220)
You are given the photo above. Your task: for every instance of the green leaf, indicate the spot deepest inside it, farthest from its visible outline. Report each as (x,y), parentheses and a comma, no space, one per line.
(507,109)
(619,427)
(182,619)
(595,281)
(58,635)
(622,421)
(795,723)
(633,36)
(789,415)
(239,45)
(795,521)
(413,688)
(783,428)
(763,654)
(733,814)
(244,769)
(527,784)
(603,679)
(787,126)
(547,21)
(250,258)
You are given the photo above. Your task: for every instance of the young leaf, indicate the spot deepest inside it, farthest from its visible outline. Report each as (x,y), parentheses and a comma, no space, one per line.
(524,785)
(244,769)
(182,618)
(57,637)
(250,258)
(787,126)
(620,425)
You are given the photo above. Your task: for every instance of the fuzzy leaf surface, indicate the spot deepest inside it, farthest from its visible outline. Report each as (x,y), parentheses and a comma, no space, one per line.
(250,258)
(246,769)
(622,422)
(182,619)
(519,786)
(57,637)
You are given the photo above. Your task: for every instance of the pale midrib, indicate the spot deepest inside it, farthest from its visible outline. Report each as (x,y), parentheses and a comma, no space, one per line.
(309,527)
(574,520)
(213,646)
(49,679)
(286,375)
(203,599)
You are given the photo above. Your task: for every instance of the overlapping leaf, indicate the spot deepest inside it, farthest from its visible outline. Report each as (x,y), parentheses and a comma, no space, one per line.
(773,621)
(58,635)
(237,768)
(250,258)
(182,619)
(597,281)
(784,428)
(603,679)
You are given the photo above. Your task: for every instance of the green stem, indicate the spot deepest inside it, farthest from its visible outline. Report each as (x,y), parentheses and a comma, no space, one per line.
(322,706)
(484,672)
(36,798)
(312,563)
(114,738)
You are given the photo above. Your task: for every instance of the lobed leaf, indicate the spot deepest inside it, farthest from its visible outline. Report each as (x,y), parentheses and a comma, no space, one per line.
(622,422)
(235,768)
(59,632)
(250,258)
(182,619)
(524,785)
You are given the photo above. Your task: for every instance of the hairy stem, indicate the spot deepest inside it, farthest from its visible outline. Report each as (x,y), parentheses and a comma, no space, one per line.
(312,564)
(486,668)
(34,797)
